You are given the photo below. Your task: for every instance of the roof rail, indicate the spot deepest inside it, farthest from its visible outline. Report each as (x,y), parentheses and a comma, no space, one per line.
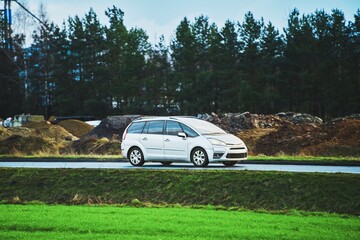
(170,117)
(174,117)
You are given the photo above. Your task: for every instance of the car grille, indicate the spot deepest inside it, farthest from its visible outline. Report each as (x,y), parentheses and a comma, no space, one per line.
(238,148)
(236,155)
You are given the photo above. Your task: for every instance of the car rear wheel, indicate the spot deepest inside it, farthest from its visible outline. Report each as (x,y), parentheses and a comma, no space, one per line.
(229,163)
(136,157)
(199,157)
(166,163)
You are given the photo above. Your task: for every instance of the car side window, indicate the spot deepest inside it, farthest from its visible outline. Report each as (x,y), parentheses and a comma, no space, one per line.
(154,127)
(173,128)
(188,131)
(136,127)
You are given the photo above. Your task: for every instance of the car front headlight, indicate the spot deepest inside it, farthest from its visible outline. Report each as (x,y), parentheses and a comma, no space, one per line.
(216,142)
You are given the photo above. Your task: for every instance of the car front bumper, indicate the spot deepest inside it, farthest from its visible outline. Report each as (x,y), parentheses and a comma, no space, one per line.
(228,153)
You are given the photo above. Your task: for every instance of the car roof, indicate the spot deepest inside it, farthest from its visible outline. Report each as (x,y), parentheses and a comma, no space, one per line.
(188,120)
(193,122)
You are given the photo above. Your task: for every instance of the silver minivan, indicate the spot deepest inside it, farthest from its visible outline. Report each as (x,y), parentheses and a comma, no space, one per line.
(180,139)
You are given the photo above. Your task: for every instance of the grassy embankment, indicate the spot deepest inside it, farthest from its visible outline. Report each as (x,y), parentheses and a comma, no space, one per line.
(59,158)
(277,191)
(111,222)
(307,160)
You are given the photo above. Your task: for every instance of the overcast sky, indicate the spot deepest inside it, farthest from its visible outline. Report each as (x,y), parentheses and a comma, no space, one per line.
(159,17)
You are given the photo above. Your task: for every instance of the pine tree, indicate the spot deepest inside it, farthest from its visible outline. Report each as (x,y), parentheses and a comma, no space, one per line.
(76,60)
(231,49)
(203,87)
(250,86)
(158,85)
(116,38)
(94,71)
(185,66)
(272,55)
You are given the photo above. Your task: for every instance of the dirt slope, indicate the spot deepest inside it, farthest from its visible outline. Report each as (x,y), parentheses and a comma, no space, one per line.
(340,138)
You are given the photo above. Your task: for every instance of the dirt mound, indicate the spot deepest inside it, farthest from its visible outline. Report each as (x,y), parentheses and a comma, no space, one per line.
(94,146)
(344,131)
(4,133)
(288,139)
(48,131)
(22,131)
(342,138)
(235,122)
(252,136)
(76,127)
(34,138)
(111,127)
(31,145)
(339,138)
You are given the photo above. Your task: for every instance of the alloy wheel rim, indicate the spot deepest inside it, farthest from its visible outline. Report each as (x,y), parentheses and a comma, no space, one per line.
(199,157)
(135,156)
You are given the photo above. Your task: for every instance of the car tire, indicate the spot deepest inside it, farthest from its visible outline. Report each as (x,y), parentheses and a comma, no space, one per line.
(229,163)
(136,157)
(166,163)
(199,157)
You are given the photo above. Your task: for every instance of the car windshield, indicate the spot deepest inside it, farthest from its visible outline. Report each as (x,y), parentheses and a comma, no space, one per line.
(204,127)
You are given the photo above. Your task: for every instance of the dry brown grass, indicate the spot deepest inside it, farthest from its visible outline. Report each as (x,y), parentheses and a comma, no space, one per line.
(19,145)
(4,133)
(94,146)
(34,138)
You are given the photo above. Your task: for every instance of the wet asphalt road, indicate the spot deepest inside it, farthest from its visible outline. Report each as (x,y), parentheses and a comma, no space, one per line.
(186,166)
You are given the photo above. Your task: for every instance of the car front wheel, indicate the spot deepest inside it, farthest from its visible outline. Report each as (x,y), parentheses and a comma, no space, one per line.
(136,157)
(199,157)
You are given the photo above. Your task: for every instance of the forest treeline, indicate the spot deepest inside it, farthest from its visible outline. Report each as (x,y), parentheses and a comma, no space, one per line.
(86,68)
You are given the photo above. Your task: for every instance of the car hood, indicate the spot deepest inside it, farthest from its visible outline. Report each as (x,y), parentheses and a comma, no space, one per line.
(227,138)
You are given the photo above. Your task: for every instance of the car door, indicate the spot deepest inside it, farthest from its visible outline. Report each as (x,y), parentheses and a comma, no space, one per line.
(152,140)
(175,147)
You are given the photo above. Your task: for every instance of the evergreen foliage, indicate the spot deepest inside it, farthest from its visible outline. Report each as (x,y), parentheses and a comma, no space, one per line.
(87,68)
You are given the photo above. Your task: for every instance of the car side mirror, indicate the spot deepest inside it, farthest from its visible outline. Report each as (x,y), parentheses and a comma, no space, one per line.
(182,134)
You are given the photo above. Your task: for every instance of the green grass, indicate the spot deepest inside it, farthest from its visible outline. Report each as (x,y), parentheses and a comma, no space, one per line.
(110,222)
(64,157)
(75,156)
(338,193)
(304,159)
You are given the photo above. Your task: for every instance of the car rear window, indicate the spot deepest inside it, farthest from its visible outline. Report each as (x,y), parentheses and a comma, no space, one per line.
(136,127)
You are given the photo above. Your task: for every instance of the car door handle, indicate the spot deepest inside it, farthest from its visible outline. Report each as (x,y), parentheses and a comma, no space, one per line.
(167,140)
(145,138)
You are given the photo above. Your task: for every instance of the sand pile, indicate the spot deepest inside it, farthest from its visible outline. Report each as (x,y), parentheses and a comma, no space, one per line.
(76,127)
(26,145)
(34,138)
